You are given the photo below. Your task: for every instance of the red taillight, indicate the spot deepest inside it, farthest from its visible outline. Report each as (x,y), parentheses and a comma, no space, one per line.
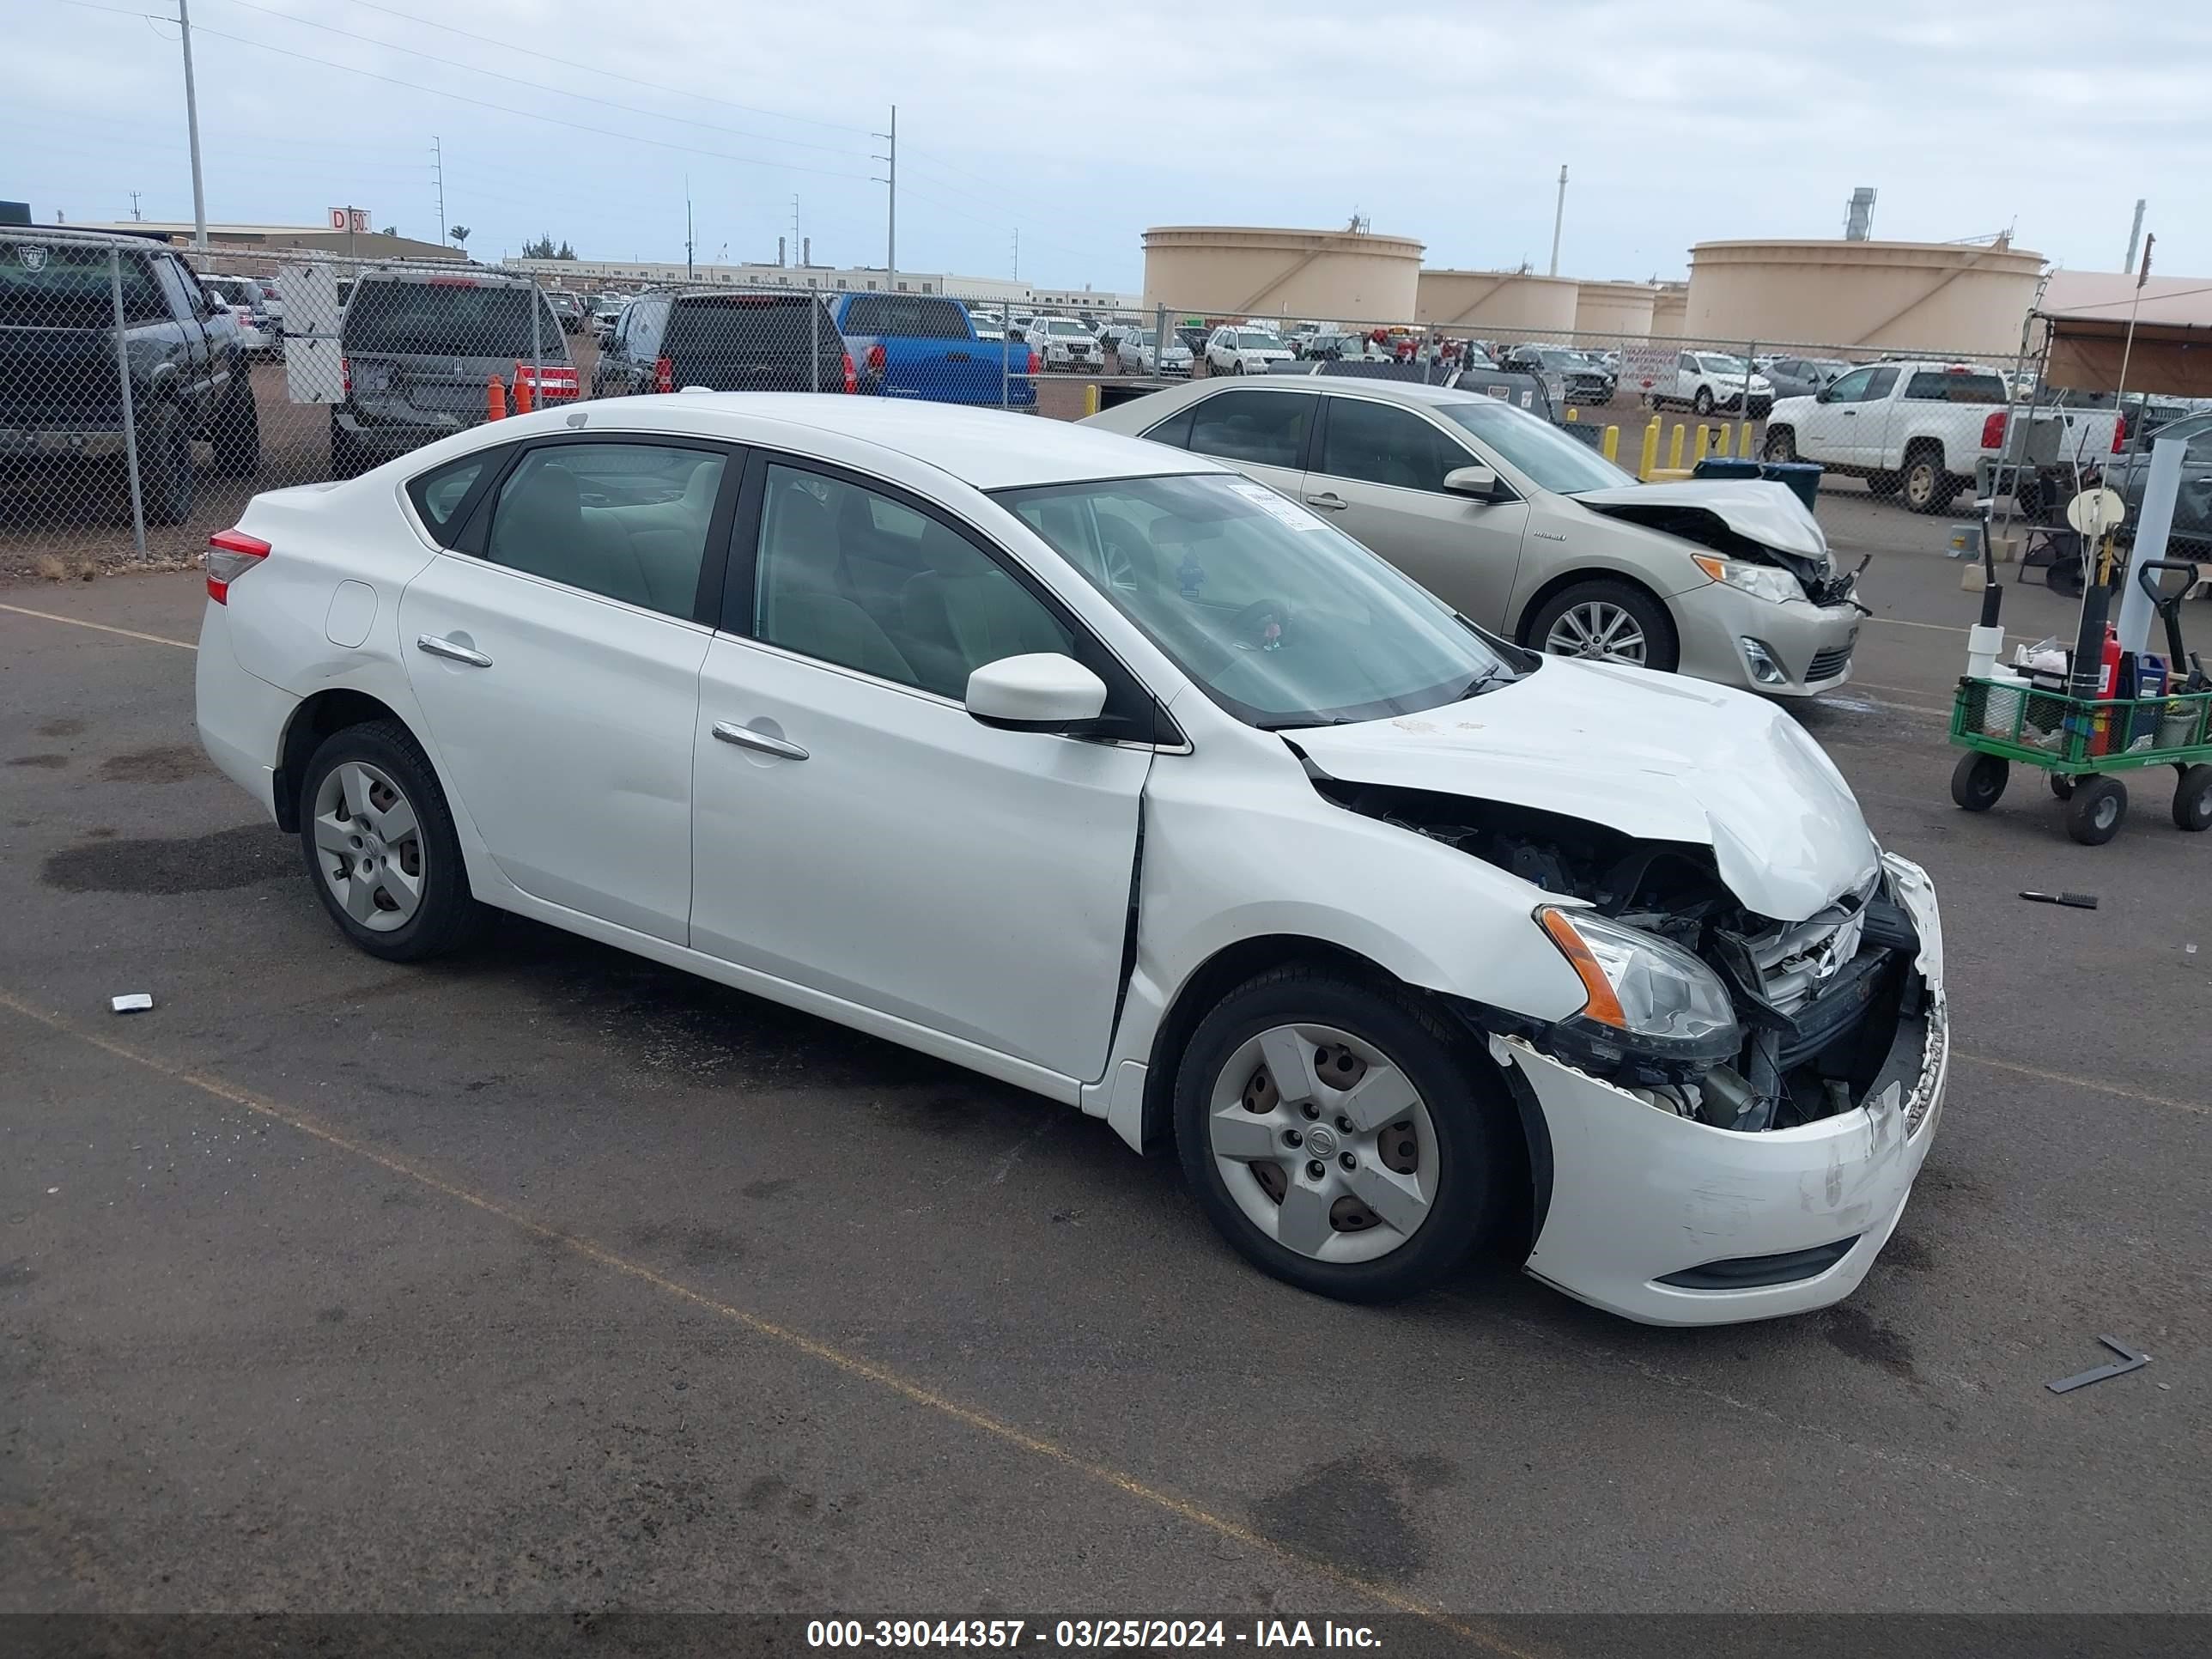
(1033,362)
(875,359)
(852,377)
(554,382)
(345,374)
(230,555)
(2119,433)
(664,375)
(1993,429)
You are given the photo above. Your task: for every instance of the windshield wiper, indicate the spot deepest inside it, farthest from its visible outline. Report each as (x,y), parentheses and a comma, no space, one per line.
(1483,682)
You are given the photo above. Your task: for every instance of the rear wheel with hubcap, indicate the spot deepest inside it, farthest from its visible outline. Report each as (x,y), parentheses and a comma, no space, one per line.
(379,840)
(2099,806)
(1338,1134)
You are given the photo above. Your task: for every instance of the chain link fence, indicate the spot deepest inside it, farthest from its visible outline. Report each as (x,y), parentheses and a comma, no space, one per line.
(146,391)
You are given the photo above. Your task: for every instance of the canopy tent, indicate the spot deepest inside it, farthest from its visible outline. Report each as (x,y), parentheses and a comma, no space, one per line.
(2087,337)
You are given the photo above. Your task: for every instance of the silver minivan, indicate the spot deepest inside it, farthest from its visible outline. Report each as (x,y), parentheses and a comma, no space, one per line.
(1531,532)
(421,349)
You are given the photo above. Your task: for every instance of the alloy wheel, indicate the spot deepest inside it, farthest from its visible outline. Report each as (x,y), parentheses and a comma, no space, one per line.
(1325,1144)
(1597,629)
(368,846)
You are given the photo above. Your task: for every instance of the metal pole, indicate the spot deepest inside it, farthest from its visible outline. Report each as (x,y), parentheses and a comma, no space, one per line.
(814,338)
(537,351)
(192,130)
(2135,233)
(438,160)
(1558,218)
(891,234)
(130,412)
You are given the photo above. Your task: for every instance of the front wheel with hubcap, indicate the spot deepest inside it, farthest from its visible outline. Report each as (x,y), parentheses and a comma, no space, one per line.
(1703,402)
(2099,806)
(380,848)
(1610,622)
(1338,1134)
(1928,487)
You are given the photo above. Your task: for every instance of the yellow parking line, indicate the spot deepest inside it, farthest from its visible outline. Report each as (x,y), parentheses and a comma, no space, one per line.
(2196,1106)
(915,1393)
(78,622)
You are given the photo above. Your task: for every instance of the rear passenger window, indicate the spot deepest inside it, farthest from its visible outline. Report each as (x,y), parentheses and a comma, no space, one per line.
(850,577)
(1265,428)
(438,494)
(1175,430)
(627,521)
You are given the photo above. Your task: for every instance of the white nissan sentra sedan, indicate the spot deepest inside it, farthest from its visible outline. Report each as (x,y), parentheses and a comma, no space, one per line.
(1101,769)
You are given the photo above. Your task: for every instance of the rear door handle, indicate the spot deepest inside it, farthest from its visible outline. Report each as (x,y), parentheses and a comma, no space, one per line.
(745,737)
(1329,500)
(450,652)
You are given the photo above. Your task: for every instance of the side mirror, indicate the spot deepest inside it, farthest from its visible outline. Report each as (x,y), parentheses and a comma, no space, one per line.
(1041,692)
(1480,482)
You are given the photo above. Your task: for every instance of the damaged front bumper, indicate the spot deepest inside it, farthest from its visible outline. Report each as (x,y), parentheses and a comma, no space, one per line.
(1671,1221)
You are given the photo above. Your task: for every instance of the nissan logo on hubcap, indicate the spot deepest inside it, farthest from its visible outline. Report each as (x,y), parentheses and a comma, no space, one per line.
(1321,1142)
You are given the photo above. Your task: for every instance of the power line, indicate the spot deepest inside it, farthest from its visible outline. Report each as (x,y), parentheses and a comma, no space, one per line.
(537,86)
(612,75)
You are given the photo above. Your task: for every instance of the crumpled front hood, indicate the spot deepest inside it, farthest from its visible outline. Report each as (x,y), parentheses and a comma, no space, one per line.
(1761,511)
(1649,755)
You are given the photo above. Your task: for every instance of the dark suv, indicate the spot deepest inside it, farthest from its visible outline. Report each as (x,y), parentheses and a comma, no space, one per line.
(725,341)
(420,349)
(61,393)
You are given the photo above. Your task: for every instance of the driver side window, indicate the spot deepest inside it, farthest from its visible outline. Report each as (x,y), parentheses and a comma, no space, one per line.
(1379,443)
(1853,388)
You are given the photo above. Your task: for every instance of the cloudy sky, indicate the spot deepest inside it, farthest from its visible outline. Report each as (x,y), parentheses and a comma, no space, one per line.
(1443,120)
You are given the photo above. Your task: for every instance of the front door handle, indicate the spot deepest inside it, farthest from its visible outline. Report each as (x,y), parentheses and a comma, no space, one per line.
(450,652)
(1329,501)
(745,737)
(1851,411)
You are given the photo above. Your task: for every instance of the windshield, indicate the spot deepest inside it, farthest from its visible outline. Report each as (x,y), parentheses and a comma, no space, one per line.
(1715,363)
(1536,449)
(1057,326)
(1280,617)
(1251,337)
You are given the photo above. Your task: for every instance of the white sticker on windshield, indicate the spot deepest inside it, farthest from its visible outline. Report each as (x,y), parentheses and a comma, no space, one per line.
(1275,507)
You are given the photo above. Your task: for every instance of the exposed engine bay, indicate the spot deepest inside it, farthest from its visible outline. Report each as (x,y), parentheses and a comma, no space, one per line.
(1818,576)
(1820,1005)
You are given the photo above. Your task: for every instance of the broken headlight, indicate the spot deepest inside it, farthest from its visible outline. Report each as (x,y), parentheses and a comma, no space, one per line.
(1761,581)
(1648,998)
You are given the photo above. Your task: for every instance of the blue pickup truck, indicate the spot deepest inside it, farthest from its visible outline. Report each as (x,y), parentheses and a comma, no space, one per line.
(923,345)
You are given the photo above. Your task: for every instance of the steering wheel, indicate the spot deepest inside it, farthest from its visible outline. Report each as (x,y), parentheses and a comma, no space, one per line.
(1262,625)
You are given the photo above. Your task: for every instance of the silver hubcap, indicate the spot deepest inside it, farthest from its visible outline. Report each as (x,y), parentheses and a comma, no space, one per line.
(368,846)
(1595,628)
(1324,1144)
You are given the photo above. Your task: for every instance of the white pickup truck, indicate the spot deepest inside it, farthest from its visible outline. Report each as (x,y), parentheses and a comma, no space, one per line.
(1918,428)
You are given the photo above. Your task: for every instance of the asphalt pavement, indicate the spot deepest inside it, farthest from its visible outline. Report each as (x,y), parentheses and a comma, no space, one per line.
(548,1279)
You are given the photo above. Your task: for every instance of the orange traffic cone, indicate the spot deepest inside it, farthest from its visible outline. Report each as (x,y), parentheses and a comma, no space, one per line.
(522,392)
(494,399)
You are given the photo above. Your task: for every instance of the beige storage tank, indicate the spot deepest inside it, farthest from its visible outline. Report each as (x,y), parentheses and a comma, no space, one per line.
(1962,300)
(1670,306)
(1499,302)
(1621,310)
(1320,276)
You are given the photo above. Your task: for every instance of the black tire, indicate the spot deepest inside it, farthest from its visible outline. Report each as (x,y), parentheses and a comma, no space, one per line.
(167,481)
(1468,1113)
(1927,487)
(449,915)
(346,459)
(1781,444)
(1703,401)
(1978,780)
(2192,798)
(1238,367)
(2098,810)
(1663,648)
(2062,785)
(237,431)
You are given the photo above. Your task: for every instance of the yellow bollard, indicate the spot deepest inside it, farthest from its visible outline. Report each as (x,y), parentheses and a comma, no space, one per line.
(1649,463)
(1090,397)
(1704,443)
(1573,414)
(1611,448)
(1675,449)
(1744,443)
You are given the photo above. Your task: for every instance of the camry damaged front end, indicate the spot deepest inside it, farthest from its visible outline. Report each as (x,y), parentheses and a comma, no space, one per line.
(1729,1126)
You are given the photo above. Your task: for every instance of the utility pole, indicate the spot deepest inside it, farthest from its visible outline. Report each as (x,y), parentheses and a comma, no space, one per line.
(2135,235)
(192,127)
(438,163)
(891,229)
(1558,218)
(1018,253)
(794,225)
(135,214)
(689,275)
